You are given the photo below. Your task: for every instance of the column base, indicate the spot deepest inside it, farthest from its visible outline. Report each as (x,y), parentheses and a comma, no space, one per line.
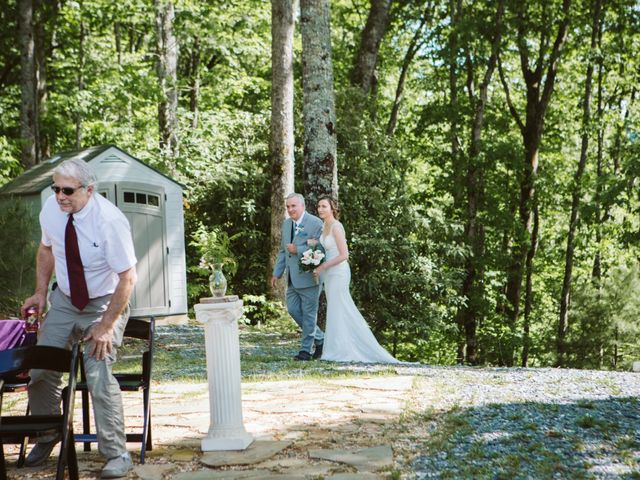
(234,442)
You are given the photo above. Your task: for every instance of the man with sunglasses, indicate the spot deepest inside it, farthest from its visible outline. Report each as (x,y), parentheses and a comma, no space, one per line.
(86,241)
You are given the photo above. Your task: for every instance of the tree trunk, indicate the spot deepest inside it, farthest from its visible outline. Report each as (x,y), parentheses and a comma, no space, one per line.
(528,295)
(565,296)
(457,162)
(363,73)
(455,10)
(117,31)
(167,69)
(194,82)
(539,88)
(282,133)
(80,74)
(413,48)
(319,115)
(28,102)
(472,287)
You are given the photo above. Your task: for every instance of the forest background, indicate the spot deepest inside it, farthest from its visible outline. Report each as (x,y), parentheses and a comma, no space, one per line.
(485,153)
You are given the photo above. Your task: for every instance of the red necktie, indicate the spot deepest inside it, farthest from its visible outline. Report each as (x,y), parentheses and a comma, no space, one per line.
(75,270)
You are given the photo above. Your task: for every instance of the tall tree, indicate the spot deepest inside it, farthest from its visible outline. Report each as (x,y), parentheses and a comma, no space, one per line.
(80,73)
(414,45)
(363,74)
(282,136)
(539,80)
(319,114)
(45,25)
(194,81)
(457,160)
(28,104)
(565,295)
(167,70)
(472,286)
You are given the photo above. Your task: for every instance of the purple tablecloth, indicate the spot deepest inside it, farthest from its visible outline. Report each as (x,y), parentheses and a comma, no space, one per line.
(12,334)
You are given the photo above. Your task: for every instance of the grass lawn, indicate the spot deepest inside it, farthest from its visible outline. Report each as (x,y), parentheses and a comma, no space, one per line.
(264,355)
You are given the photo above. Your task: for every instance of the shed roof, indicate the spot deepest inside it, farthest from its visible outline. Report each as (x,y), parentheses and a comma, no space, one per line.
(38,177)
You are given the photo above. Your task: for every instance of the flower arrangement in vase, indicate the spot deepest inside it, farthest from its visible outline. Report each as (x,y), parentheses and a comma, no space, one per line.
(214,246)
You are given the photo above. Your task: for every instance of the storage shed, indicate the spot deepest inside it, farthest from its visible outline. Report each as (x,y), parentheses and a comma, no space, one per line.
(153,204)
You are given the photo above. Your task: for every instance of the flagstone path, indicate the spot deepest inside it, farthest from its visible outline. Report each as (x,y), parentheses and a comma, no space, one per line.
(335,429)
(420,423)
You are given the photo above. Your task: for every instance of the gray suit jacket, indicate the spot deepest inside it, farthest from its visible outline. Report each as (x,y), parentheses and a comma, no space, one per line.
(311,227)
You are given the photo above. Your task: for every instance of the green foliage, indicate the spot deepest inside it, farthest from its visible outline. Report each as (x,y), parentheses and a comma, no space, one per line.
(400,279)
(267,314)
(230,191)
(403,195)
(18,244)
(604,330)
(214,246)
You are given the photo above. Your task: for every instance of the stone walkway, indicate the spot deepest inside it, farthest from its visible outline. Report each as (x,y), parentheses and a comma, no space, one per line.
(421,422)
(336,429)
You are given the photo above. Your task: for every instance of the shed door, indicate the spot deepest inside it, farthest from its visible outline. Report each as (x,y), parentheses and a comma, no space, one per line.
(144,205)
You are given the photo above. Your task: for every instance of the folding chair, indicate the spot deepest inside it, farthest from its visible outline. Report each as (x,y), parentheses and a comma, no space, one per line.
(129,382)
(15,428)
(19,382)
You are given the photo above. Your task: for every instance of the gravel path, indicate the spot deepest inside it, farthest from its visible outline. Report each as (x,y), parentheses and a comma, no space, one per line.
(525,423)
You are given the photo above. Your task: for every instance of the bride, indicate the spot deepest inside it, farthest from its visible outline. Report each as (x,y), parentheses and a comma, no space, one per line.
(347,335)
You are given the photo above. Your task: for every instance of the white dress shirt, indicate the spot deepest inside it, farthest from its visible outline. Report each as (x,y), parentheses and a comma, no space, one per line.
(104,240)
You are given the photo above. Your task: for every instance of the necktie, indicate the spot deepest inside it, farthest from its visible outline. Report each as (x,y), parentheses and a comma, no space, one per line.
(293,226)
(75,270)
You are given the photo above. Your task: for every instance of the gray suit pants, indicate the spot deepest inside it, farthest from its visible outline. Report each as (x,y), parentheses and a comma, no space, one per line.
(302,304)
(63,325)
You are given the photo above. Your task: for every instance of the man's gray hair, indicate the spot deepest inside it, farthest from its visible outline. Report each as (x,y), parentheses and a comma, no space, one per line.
(296,195)
(78,169)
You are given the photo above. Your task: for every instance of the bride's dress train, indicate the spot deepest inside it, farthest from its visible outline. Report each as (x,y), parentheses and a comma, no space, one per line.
(348,338)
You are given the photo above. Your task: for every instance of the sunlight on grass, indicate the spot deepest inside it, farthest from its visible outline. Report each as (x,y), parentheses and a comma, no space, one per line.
(265,355)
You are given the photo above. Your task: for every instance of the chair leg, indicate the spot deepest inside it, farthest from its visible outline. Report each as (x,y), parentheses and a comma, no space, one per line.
(23,446)
(146,424)
(62,458)
(72,459)
(86,418)
(149,441)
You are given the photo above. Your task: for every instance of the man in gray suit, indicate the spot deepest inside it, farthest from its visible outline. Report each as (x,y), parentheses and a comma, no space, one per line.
(302,289)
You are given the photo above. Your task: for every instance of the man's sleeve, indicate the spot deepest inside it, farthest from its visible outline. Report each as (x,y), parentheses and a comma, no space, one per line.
(119,251)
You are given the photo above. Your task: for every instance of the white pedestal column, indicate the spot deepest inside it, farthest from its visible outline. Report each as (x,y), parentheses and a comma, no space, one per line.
(226,428)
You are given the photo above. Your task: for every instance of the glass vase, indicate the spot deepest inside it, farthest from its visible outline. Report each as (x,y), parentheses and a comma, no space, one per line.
(217,281)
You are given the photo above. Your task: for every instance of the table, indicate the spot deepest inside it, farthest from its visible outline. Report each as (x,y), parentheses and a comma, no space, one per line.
(13,334)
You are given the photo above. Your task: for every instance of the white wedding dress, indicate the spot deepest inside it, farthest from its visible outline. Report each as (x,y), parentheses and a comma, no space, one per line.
(347,336)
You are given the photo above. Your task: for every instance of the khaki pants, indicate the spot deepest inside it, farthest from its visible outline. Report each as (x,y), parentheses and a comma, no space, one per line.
(63,325)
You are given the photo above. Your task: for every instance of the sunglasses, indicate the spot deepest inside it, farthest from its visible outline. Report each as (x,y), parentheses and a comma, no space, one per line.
(68,191)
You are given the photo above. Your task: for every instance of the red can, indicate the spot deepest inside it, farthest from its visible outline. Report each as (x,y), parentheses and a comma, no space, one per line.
(32,324)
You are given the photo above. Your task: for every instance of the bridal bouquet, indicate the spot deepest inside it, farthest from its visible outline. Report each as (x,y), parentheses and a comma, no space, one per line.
(311,258)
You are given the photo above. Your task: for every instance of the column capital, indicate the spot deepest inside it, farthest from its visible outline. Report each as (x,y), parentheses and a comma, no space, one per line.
(218,312)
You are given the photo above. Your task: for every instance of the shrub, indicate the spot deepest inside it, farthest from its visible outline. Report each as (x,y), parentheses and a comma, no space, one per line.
(18,244)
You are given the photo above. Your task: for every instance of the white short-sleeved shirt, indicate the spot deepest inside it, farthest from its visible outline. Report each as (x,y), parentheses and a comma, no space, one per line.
(104,239)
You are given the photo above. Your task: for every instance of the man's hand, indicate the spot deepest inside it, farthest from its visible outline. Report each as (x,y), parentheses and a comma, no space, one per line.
(274,281)
(101,338)
(38,300)
(291,248)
